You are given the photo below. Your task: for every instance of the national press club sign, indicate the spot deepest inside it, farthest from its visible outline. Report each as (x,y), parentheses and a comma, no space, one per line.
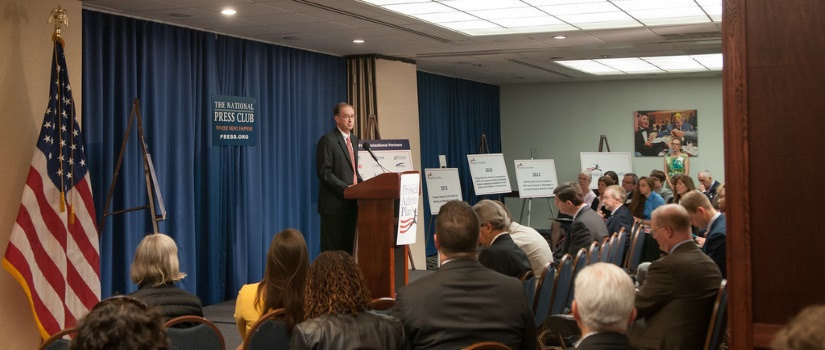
(234,122)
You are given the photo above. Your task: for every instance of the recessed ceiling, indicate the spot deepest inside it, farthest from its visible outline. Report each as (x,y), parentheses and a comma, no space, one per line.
(330,26)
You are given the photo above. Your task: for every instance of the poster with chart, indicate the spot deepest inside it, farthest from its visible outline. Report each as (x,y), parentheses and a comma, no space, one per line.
(536,178)
(489,173)
(597,163)
(443,186)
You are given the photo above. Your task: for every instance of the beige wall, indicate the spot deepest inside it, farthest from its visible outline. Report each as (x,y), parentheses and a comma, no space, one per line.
(25,61)
(397,89)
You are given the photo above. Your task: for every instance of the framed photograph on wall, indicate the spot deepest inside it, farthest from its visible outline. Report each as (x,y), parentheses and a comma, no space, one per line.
(653,130)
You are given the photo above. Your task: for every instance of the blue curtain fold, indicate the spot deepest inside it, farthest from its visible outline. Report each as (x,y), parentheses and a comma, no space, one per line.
(224,203)
(453,114)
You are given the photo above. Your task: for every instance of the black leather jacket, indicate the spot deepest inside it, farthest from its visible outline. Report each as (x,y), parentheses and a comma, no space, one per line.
(367,330)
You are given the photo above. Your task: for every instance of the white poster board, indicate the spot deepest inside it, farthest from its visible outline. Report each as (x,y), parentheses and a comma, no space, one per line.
(392,154)
(408,209)
(597,163)
(489,173)
(443,186)
(536,178)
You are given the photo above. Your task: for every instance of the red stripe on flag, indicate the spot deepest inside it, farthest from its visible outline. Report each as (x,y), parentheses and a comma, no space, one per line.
(53,221)
(80,288)
(44,316)
(85,192)
(47,267)
(79,234)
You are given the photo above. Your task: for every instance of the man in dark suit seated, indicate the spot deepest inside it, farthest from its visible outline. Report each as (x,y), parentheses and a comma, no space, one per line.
(675,302)
(704,216)
(463,302)
(502,254)
(603,307)
(620,215)
(587,226)
(711,187)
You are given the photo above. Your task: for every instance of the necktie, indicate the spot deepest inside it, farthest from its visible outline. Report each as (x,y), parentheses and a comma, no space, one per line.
(352,162)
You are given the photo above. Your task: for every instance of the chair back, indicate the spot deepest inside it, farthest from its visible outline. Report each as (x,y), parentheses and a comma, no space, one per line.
(636,249)
(487,345)
(544,297)
(607,248)
(718,319)
(617,255)
(202,335)
(578,264)
(593,253)
(528,283)
(564,279)
(382,305)
(57,340)
(269,332)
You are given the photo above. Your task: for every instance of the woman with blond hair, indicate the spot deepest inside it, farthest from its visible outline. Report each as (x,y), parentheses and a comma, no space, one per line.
(336,308)
(155,269)
(287,262)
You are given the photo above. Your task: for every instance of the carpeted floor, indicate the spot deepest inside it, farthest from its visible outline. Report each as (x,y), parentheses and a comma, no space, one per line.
(222,314)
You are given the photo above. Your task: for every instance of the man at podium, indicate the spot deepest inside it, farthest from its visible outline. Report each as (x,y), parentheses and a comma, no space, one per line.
(337,166)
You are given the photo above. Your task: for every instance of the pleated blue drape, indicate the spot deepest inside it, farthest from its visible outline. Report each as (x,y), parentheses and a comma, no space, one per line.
(453,114)
(224,203)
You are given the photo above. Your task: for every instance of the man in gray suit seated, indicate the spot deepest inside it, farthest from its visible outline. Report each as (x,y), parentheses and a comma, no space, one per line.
(587,226)
(675,302)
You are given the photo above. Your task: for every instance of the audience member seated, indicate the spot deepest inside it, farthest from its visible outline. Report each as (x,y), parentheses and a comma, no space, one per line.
(703,216)
(675,302)
(681,184)
(613,176)
(721,198)
(588,196)
(629,182)
(530,241)
(645,200)
(604,182)
(620,216)
(463,302)
(285,273)
(155,269)
(603,307)
(804,331)
(502,254)
(337,310)
(710,187)
(120,323)
(587,226)
(657,177)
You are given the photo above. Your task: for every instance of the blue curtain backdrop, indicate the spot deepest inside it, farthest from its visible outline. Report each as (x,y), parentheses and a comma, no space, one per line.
(453,113)
(224,203)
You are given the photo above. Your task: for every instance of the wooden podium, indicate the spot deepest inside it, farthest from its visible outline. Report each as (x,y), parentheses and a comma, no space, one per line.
(383,264)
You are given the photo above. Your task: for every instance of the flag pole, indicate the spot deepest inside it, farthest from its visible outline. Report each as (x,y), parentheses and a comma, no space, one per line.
(59,17)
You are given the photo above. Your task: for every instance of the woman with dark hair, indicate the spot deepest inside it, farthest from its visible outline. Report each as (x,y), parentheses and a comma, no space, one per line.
(156,269)
(336,308)
(682,184)
(645,200)
(287,262)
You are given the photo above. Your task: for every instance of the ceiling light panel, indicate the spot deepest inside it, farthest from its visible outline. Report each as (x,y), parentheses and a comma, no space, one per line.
(647,65)
(590,66)
(560,2)
(477,5)
(419,8)
(711,61)
(675,63)
(534,21)
(517,12)
(630,65)
(446,17)
(575,9)
(392,2)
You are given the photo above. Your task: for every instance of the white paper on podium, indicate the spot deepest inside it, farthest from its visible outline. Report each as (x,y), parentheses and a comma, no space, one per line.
(393,154)
(408,209)
(489,173)
(443,186)
(597,163)
(536,178)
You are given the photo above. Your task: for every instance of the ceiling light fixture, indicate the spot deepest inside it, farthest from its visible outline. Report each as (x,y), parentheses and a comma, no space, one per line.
(359,41)
(559,37)
(228,12)
(647,65)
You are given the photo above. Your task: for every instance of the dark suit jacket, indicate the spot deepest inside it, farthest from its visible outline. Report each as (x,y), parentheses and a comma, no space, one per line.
(606,341)
(715,243)
(711,194)
(335,173)
(587,227)
(621,218)
(675,302)
(505,257)
(463,303)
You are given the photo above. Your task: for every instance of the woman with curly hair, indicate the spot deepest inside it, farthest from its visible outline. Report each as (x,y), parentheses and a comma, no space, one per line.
(336,308)
(287,262)
(120,323)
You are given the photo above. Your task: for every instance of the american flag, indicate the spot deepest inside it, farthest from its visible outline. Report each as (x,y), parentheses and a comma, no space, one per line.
(53,250)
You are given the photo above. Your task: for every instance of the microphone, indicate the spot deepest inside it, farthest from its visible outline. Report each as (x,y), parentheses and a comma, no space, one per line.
(366,146)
